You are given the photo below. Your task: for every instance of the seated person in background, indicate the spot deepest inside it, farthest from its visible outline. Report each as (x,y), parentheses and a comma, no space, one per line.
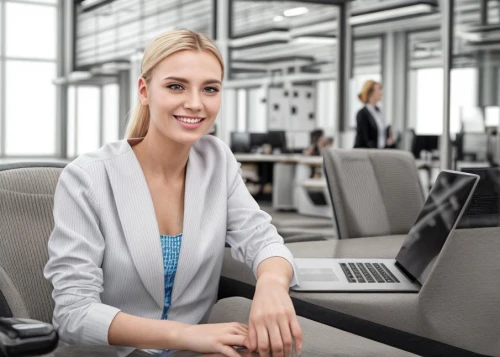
(324,143)
(370,122)
(313,149)
(134,267)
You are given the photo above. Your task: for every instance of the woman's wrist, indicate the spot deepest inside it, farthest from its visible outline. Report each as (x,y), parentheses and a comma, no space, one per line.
(274,280)
(175,335)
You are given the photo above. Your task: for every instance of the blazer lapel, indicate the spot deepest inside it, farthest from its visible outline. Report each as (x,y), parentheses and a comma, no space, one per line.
(372,120)
(188,264)
(137,215)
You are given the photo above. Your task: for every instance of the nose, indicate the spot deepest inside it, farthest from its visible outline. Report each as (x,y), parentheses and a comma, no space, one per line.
(193,101)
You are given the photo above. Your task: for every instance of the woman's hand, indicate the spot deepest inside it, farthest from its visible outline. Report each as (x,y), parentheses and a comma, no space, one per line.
(273,323)
(210,338)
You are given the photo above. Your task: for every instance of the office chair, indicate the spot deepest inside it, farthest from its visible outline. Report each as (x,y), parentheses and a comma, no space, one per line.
(373,192)
(26,210)
(26,221)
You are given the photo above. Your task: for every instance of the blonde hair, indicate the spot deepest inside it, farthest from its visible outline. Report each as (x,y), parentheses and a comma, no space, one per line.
(161,47)
(367,90)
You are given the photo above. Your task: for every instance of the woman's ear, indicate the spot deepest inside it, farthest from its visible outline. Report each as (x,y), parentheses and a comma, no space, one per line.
(143,91)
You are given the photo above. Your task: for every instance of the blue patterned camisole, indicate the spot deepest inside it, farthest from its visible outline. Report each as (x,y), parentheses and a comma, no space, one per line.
(171,247)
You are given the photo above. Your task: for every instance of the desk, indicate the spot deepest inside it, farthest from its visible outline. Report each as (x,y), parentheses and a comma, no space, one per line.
(289,170)
(195,354)
(264,158)
(284,158)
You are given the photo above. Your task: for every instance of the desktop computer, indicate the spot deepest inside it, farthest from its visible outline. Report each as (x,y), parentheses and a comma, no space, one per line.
(257,140)
(277,140)
(240,142)
(421,143)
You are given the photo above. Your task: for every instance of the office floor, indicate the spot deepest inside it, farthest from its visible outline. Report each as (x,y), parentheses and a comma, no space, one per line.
(289,223)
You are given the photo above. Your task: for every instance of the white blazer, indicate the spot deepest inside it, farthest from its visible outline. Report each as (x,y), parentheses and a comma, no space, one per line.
(105,253)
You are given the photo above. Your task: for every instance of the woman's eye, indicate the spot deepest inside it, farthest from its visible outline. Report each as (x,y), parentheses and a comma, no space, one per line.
(211,90)
(175,86)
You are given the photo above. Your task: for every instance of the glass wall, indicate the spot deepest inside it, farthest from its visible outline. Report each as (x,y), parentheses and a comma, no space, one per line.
(476,57)
(27,69)
(426,82)
(367,64)
(281,64)
(93,118)
(117,30)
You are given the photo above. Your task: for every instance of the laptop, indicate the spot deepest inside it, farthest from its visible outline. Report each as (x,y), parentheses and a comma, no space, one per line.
(484,207)
(442,210)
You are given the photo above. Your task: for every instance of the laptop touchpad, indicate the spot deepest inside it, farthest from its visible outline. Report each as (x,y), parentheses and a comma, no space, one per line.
(318,274)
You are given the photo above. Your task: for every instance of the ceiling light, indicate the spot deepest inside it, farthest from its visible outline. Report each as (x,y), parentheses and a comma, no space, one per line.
(388,14)
(317,40)
(297,11)
(278,18)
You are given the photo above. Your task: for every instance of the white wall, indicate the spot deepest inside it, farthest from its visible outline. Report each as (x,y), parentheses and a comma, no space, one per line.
(257,110)
(326,108)
(241,110)
(226,120)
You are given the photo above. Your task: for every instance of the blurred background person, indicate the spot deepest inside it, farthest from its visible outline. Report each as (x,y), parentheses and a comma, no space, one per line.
(371,131)
(313,149)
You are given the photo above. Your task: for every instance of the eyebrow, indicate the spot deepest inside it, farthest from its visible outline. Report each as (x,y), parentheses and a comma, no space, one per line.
(184,80)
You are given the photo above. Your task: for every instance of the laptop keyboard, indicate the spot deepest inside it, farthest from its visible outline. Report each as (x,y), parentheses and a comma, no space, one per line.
(368,273)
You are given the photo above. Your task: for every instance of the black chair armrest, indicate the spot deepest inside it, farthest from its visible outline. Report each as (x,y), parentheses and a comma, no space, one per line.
(25,337)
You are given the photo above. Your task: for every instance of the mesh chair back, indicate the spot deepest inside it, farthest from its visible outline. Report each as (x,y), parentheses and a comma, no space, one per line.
(373,192)
(26,222)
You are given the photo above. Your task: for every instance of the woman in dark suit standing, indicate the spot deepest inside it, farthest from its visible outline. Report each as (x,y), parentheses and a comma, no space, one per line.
(371,131)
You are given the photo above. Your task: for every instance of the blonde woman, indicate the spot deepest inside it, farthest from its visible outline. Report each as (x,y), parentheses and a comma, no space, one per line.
(140,225)
(371,130)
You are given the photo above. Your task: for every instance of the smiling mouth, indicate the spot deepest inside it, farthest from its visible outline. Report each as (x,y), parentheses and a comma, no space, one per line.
(189,120)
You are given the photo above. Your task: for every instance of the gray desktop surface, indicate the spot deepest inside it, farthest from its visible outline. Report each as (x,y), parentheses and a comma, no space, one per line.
(110,351)
(243,353)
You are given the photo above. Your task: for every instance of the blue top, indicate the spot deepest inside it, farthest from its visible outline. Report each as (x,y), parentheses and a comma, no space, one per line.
(171,247)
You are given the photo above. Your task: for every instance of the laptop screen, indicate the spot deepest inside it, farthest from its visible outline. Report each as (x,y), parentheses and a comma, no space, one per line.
(438,217)
(484,207)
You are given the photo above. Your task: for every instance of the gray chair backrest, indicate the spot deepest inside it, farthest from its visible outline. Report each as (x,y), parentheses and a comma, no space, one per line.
(476,144)
(373,192)
(26,222)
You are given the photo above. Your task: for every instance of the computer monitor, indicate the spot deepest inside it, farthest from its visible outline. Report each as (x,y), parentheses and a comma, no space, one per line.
(484,207)
(257,140)
(240,142)
(428,143)
(277,140)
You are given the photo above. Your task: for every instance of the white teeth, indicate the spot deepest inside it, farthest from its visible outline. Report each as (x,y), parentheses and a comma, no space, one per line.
(189,120)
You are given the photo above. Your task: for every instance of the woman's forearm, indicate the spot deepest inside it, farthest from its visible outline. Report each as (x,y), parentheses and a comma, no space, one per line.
(143,333)
(276,268)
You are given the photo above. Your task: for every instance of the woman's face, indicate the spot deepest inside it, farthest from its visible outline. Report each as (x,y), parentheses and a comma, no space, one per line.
(377,92)
(184,95)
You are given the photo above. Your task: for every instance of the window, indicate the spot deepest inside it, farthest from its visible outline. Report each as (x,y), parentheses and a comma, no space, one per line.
(91,125)
(88,119)
(429,98)
(111,123)
(30,31)
(30,108)
(27,69)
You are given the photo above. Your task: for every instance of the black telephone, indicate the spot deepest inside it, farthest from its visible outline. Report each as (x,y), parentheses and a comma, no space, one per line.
(25,337)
